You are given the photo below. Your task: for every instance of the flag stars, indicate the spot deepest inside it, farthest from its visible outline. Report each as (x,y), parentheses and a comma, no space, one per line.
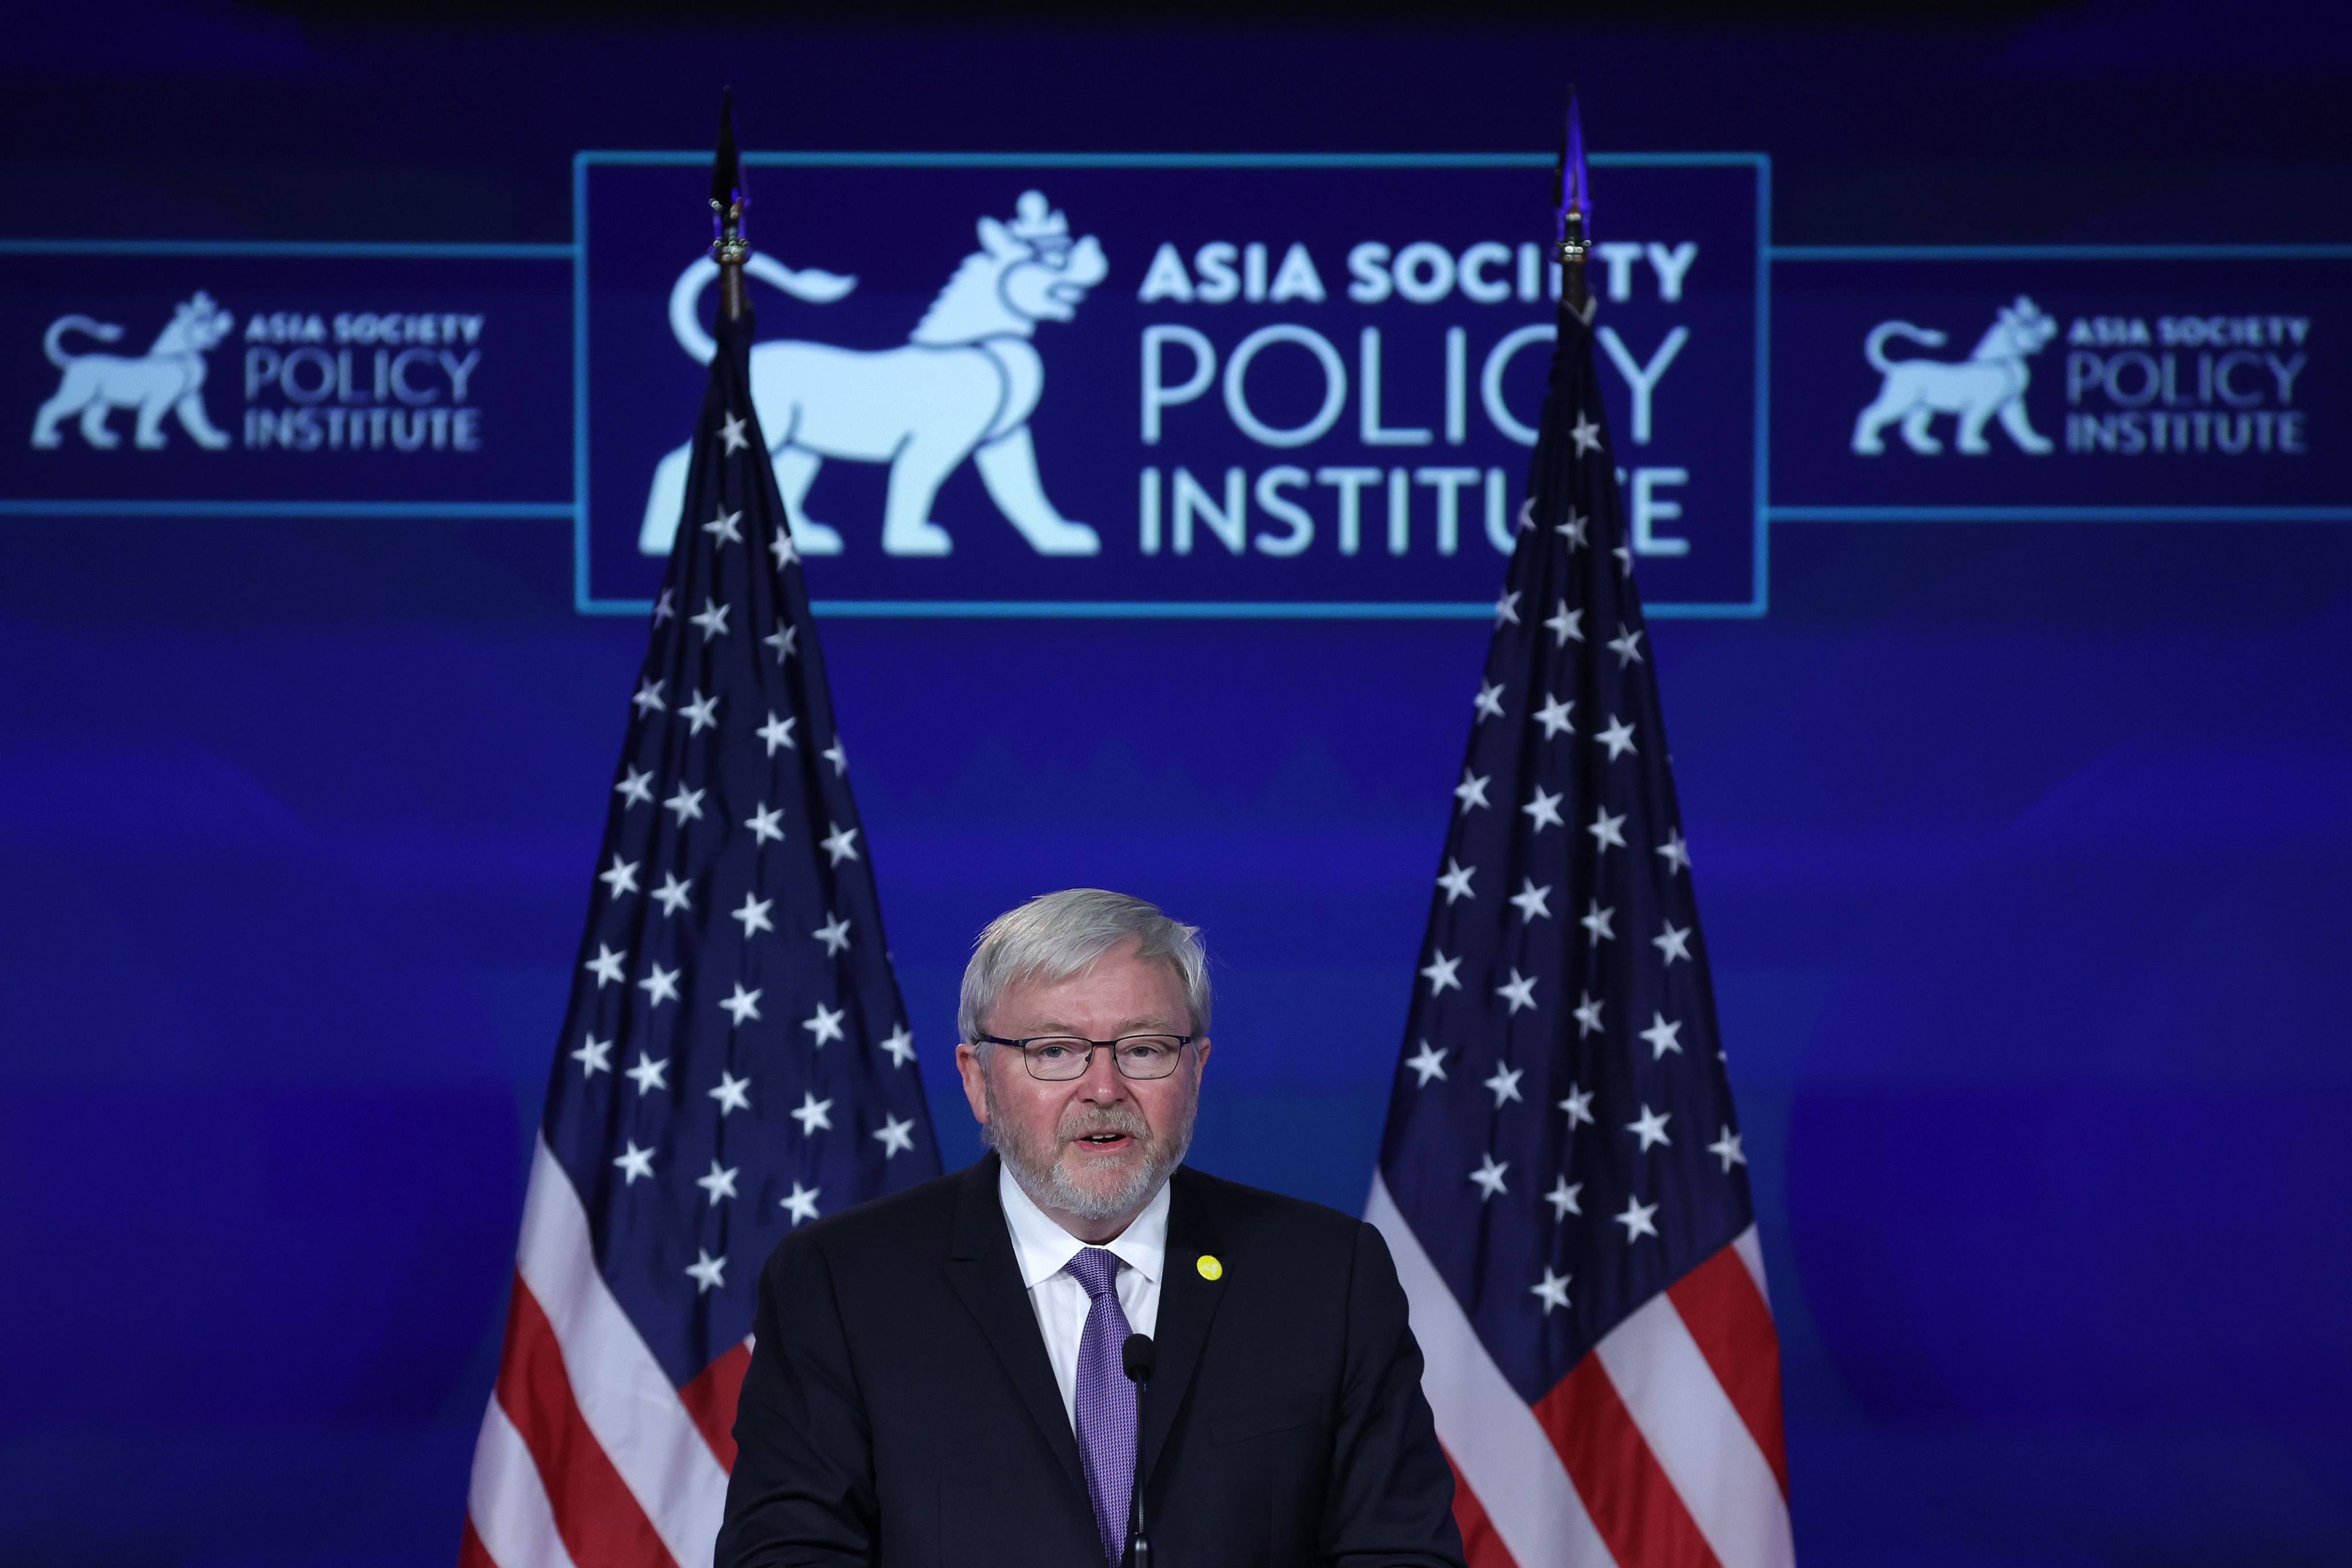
(1626,645)
(1624,560)
(785,551)
(1588,1014)
(650,1073)
(1553,1288)
(1554,717)
(1566,1197)
(784,640)
(707,1271)
(1489,1176)
(1532,903)
(840,844)
(1543,811)
(664,609)
(1673,942)
(1579,1106)
(594,1056)
(720,1183)
(1439,973)
(725,527)
(754,915)
(1428,1062)
(1726,1149)
(732,431)
(634,1161)
(835,934)
(702,713)
(1618,738)
(1566,624)
(1520,991)
(899,1044)
(743,1007)
(1651,1128)
(1505,1084)
(733,1093)
(1585,434)
(1608,832)
(800,1203)
(766,825)
(1489,701)
(1471,790)
(673,894)
(660,985)
(621,878)
(814,1115)
(825,1024)
(606,967)
(894,1136)
(1457,880)
(687,803)
(778,734)
(1573,532)
(1661,1036)
(1507,608)
(1596,921)
(635,787)
(1675,853)
(837,757)
(1636,1219)
(649,698)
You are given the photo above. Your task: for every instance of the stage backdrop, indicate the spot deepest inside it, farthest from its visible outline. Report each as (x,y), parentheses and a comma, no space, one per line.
(1986,429)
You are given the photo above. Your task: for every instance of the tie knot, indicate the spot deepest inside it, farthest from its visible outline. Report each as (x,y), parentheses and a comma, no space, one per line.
(1095,1268)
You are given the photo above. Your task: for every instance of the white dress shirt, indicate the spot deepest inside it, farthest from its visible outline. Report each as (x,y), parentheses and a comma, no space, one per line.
(1043,1248)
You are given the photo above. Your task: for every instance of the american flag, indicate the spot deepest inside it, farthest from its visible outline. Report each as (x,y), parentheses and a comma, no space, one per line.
(1561,1179)
(735,1061)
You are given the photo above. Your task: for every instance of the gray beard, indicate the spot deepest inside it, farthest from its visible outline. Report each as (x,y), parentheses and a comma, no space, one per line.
(1037,1166)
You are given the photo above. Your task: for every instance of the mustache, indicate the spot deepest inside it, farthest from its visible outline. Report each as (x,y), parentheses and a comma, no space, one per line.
(1084,1119)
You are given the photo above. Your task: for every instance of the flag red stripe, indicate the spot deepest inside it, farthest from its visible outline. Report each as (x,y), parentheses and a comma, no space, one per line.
(1727,1317)
(1633,1506)
(1481,1547)
(597,1516)
(711,1400)
(471,1552)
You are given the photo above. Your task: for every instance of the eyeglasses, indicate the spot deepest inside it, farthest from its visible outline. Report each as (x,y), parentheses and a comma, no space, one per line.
(1058,1058)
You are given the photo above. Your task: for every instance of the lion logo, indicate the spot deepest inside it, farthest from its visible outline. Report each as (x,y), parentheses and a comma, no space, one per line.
(963,385)
(168,379)
(1989,385)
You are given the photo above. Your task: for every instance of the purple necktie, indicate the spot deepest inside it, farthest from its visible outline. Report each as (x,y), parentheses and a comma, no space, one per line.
(1106,1402)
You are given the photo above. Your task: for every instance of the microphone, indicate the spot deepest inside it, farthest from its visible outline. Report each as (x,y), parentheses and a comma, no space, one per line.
(1137,1357)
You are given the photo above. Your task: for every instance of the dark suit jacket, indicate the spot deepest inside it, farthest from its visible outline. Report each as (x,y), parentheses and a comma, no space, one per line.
(899,1410)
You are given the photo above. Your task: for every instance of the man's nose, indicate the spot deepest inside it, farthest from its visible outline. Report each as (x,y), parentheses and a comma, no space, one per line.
(1102,1081)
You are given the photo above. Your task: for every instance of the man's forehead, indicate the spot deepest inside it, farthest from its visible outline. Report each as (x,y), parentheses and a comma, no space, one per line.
(1148,990)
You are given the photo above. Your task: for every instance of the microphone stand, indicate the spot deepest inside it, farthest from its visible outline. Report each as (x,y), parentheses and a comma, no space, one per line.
(1136,1357)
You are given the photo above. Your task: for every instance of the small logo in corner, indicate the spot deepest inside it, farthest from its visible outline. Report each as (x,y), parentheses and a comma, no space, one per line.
(1989,385)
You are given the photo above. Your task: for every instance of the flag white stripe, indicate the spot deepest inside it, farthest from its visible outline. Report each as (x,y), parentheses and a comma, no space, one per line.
(1696,1434)
(1491,1433)
(1751,1252)
(624,1396)
(507,1501)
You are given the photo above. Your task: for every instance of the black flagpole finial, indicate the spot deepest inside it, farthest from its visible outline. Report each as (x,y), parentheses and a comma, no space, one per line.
(1572,205)
(728,246)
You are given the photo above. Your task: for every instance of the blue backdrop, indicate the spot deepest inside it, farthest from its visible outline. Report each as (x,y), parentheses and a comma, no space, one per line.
(2020,845)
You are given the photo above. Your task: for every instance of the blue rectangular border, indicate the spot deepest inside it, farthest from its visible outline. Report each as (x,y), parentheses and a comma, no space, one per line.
(1143,610)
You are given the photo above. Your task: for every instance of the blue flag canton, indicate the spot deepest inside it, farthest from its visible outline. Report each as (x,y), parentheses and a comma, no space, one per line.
(1560,1135)
(736,1060)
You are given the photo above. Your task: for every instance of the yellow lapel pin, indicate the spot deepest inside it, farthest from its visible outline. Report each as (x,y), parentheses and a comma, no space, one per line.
(1210,1268)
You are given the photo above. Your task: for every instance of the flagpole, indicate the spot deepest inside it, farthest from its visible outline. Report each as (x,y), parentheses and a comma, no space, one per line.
(1570,196)
(727,200)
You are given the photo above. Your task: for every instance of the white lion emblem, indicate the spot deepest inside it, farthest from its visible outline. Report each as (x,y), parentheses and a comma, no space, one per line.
(963,385)
(168,379)
(1989,383)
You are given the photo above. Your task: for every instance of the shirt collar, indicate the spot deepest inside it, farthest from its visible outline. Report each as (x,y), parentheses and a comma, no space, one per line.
(1043,1249)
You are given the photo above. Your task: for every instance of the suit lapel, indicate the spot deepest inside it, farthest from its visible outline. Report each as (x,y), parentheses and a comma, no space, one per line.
(981,1267)
(1187,1304)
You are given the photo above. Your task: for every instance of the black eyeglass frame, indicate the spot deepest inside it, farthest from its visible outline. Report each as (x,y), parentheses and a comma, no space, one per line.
(1030,1063)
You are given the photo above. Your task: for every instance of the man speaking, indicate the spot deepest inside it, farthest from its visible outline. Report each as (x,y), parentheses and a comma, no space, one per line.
(1076,1353)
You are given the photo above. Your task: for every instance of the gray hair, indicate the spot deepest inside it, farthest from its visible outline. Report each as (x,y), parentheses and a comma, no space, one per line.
(1058,935)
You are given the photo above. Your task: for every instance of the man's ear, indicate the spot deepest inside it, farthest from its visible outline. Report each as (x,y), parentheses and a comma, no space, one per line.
(972,1066)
